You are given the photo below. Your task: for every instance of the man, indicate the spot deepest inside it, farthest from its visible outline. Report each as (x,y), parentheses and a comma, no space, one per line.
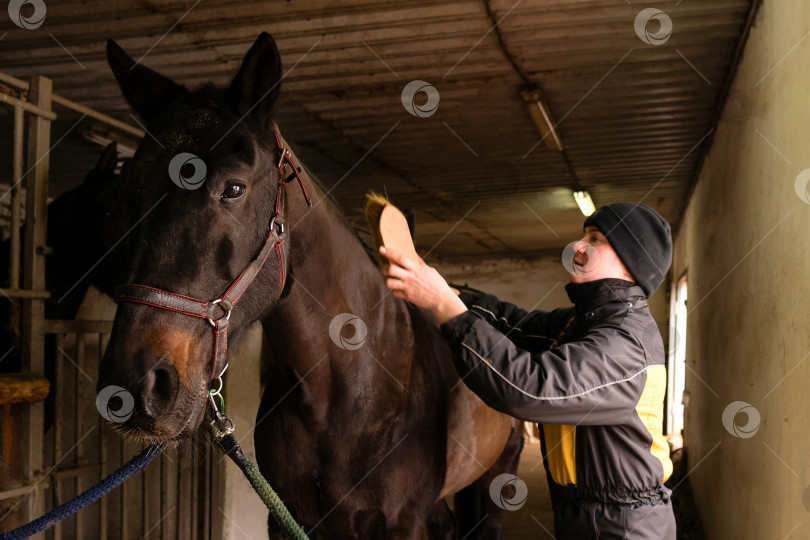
(593,376)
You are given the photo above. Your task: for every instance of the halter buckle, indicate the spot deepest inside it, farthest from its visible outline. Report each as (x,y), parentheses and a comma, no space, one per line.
(284,154)
(227,308)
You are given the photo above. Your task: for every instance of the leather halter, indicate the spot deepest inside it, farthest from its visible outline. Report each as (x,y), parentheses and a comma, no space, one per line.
(218,312)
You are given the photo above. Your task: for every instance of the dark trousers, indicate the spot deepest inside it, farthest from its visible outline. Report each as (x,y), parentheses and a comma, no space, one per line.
(578,519)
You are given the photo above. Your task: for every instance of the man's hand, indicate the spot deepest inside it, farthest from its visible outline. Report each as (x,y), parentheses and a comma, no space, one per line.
(421,285)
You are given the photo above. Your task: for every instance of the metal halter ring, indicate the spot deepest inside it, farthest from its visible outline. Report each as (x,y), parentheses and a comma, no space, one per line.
(273,224)
(218,393)
(213,392)
(226,310)
(223,424)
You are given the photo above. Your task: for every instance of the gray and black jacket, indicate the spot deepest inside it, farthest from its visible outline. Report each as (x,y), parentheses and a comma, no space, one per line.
(598,393)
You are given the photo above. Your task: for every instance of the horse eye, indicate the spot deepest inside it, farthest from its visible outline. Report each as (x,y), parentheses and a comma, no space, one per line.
(233,191)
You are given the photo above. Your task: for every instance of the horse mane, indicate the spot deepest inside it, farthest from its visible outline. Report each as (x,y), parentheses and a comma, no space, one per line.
(372,254)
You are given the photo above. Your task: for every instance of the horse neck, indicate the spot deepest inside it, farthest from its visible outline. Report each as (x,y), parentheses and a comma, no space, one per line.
(330,274)
(69,260)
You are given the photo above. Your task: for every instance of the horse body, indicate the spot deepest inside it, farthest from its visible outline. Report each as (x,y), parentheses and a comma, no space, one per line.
(352,416)
(360,440)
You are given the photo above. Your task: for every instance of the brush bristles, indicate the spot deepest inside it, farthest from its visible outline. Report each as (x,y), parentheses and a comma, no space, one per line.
(374,207)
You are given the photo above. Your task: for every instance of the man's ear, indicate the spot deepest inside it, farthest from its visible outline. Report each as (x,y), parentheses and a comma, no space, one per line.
(146,90)
(255,87)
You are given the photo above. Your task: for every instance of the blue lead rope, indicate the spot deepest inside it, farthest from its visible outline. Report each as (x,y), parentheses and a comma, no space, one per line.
(130,468)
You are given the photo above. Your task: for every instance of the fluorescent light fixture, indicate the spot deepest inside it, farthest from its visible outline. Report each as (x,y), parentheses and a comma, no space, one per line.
(541,116)
(583,200)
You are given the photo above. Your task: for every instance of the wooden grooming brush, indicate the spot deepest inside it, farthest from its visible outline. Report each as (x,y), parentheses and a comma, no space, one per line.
(389,226)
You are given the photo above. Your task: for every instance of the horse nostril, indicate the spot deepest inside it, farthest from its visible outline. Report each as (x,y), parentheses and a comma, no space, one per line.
(159,390)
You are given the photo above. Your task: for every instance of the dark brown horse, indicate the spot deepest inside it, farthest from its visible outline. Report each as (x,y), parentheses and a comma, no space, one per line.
(85,225)
(363,435)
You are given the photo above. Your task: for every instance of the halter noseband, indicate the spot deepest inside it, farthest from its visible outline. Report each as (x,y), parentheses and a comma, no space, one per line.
(218,312)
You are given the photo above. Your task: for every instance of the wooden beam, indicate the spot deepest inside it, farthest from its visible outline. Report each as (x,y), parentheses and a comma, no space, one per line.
(60,326)
(19,388)
(33,313)
(24,293)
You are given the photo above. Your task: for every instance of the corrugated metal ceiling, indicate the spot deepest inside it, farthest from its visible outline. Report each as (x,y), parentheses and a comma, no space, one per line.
(634,117)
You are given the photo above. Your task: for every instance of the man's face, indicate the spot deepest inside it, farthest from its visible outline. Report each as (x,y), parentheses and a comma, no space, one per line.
(594,259)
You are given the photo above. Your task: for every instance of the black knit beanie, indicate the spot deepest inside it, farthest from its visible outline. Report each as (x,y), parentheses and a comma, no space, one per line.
(640,237)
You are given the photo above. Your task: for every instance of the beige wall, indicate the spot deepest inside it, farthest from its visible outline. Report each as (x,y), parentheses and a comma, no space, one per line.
(531,284)
(744,243)
(242,512)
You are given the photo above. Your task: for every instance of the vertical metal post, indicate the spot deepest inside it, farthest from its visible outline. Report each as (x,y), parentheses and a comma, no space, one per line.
(58,375)
(16,192)
(208,486)
(144,505)
(102,452)
(187,493)
(78,422)
(36,202)
(164,493)
(124,491)
(194,472)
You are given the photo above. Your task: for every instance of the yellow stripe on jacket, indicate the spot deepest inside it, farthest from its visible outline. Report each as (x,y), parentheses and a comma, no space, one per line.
(561,444)
(561,439)
(650,410)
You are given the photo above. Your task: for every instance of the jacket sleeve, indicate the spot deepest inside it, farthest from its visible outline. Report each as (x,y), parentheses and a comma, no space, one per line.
(528,329)
(597,380)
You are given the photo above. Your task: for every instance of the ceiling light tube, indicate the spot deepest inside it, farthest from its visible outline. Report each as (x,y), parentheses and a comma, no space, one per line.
(585,203)
(541,116)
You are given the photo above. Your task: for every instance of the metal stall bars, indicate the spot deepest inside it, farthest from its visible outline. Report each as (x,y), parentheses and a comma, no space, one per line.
(172,501)
(29,288)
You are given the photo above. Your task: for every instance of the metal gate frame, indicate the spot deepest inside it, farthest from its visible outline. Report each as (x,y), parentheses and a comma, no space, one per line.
(30,290)
(36,99)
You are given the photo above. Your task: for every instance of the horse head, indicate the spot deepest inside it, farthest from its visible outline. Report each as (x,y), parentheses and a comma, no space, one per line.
(206,192)
(85,225)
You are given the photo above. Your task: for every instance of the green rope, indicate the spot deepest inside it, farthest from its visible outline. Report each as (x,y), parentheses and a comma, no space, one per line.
(271,500)
(212,393)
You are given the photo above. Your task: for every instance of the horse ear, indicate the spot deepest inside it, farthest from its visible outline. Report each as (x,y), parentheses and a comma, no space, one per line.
(255,87)
(108,161)
(146,90)
(105,166)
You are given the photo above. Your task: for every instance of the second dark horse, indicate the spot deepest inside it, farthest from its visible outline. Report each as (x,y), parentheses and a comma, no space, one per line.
(360,439)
